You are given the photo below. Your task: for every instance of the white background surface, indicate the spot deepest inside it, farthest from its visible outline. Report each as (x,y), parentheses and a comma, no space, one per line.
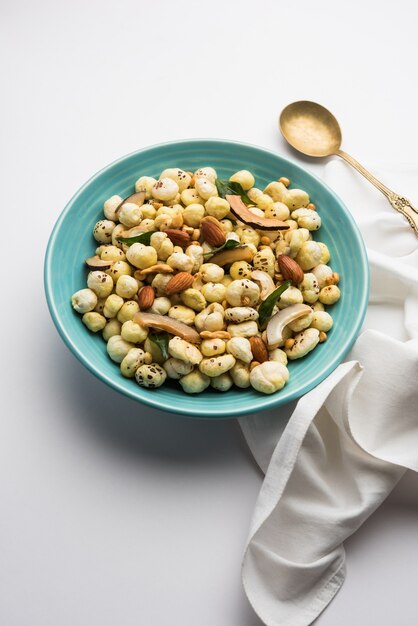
(112,513)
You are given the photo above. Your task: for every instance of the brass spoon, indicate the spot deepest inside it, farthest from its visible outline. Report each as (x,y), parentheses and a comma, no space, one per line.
(311,129)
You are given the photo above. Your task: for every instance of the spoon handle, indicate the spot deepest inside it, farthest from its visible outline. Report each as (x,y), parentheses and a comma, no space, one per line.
(398,202)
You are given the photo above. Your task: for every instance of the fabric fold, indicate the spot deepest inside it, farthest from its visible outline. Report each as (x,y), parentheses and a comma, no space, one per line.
(347,442)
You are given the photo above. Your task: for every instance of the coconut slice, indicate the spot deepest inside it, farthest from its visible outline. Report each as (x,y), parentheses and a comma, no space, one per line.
(172,326)
(225,257)
(244,214)
(96,263)
(266,283)
(281,319)
(133,232)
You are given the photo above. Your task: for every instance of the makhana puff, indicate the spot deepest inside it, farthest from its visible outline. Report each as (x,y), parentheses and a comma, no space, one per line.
(207,282)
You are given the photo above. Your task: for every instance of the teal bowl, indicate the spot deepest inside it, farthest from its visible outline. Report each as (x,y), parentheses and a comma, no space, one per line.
(71,242)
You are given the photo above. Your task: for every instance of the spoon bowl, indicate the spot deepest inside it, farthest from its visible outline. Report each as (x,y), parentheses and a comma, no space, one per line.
(313,130)
(310,128)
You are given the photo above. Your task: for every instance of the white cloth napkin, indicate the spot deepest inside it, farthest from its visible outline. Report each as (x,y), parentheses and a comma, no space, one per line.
(350,439)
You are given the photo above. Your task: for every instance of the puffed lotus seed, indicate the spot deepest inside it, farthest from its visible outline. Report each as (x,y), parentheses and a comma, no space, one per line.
(211,273)
(206,172)
(190,196)
(304,342)
(182,313)
(292,295)
(248,235)
(179,176)
(159,284)
(322,321)
(277,211)
(133,332)
(185,351)
(118,348)
(194,299)
(329,294)
(269,376)
(84,300)
(94,321)
(216,365)
(102,231)
(243,293)
(193,214)
(127,286)
(176,368)
(244,178)
(214,292)
(276,190)
(180,261)
(296,199)
(310,288)
(238,314)
(112,328)
(306,218)
(265,260)
(222,303)
(110,206)
(240,348)
(240,374)
(195,382)
(278,355)
(321,273)
(205,188)
(127,311)
(130,214)
(264,201)
(195,252)
(326,255)
(101,283)
(228,228)
(212,347)
(211,318)
(111,253)
(240,269)
(141,256)
(221,383)
(309,255)
(217,207)
(118,269)
(150,376)
(245,329)
(165,189)
(131,362)
(100,305)
(161,305)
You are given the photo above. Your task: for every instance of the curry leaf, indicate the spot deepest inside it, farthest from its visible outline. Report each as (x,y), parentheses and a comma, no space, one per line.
(161,340)
(228,188)
(231,243)
(266,307)
(144,238)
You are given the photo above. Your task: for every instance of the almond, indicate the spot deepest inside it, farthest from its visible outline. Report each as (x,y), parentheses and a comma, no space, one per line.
(146,297)
(290,269)
(212,231)
(259,349)
(178,237)
(179,282)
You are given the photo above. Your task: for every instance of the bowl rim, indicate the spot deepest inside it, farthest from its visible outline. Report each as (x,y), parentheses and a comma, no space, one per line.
(265,402)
